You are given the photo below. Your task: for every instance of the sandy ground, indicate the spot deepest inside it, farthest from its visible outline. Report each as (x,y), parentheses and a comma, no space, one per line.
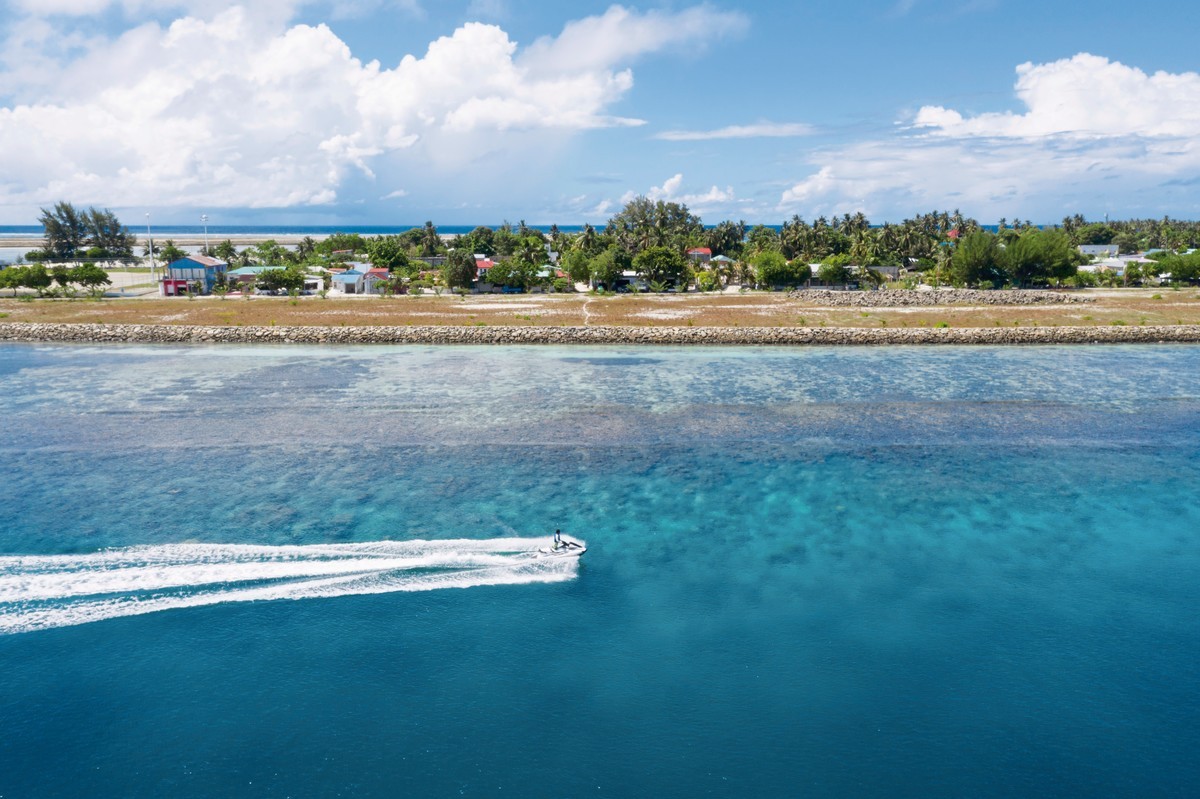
(753,309)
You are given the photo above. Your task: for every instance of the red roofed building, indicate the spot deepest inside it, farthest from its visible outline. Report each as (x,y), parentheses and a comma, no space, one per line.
(700,254)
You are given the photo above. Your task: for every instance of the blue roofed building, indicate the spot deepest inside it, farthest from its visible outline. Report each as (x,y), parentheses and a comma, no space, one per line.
(349,282)
(194,273)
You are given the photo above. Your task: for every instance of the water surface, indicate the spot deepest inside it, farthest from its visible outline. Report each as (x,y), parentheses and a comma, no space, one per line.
(822,571)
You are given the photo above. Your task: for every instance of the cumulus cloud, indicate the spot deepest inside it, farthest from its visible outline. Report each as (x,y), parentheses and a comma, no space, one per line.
(1090,125)
(762,130)
(1086,95)
(670,191)
(240,109)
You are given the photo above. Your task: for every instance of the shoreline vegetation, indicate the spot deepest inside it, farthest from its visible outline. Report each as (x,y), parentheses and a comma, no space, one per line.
(649,245)
(654,274)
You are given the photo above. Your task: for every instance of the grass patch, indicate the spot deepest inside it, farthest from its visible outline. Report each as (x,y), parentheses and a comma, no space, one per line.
(754,309)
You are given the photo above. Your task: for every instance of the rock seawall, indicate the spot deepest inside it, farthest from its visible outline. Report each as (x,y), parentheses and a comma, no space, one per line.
(755,336)
(900,298)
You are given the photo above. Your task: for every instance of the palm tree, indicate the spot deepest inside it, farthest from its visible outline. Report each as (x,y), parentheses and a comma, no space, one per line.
(226,251)
(306,247)
(588,241)
(431,242)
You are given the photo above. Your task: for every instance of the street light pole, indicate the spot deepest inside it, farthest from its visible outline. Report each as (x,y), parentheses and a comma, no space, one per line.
(204,219)
(150,243)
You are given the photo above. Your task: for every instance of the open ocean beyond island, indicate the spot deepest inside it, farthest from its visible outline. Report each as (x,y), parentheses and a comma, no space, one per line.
(913,572)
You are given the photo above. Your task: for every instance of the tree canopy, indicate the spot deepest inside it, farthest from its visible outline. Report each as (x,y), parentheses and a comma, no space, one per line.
(459,270)
(644,223)
(68,230)
(1037,256)
(661,265)
(388,252)
(978,258)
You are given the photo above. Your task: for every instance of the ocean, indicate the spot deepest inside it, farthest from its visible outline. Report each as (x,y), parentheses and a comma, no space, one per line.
(310,571)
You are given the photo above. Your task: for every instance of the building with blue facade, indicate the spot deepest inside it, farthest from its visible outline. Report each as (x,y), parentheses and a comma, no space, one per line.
(195,273)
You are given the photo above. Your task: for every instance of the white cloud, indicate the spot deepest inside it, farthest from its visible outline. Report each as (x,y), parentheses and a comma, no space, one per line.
(669,191)
(239,109)
(1086,95)
(394,195)
(621,34)
(762,130)
(1095,133)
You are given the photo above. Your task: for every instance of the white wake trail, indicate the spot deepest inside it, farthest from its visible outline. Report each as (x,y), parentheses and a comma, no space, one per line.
(42,591)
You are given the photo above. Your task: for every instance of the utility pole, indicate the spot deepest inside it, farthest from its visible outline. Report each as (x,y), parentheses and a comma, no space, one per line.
(150,243)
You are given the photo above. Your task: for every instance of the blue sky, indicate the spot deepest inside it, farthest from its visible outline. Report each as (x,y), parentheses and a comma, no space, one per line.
(477,111)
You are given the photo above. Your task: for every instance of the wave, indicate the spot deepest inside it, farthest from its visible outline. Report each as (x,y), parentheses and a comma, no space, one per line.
(39,592)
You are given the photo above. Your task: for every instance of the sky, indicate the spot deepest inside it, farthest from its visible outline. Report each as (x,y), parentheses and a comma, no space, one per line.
(463,112)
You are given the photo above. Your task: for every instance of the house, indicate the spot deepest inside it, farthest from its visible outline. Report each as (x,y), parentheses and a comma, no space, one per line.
(349,281)
(700,255)
(248,274)
(1100,250)
(193,273)
(889,272)
(1114,265)
(375,280)
(482,265)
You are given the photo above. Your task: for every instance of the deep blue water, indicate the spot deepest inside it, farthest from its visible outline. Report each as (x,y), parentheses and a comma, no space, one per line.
(824,572)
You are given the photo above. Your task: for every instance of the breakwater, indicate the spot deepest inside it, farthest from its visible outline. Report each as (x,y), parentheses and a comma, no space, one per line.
(532,334)
(906,298)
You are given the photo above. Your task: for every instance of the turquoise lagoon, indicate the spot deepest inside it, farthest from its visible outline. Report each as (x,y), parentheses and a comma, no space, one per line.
(297,571)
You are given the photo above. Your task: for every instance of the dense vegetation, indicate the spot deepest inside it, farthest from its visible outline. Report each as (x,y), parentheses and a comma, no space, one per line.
(58,280)
(651,238)
(72,234)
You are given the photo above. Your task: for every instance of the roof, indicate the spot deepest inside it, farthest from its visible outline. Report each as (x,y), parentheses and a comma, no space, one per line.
(484,263)
(725,259)
(700,251)
(204,260)
(348,277)
(253,270)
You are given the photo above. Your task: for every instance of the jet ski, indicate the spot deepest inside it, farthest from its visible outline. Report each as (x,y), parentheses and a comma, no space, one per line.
(565,548)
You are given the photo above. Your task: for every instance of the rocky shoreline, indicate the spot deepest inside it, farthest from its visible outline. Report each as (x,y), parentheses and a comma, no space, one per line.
(907,298)
(744,336)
